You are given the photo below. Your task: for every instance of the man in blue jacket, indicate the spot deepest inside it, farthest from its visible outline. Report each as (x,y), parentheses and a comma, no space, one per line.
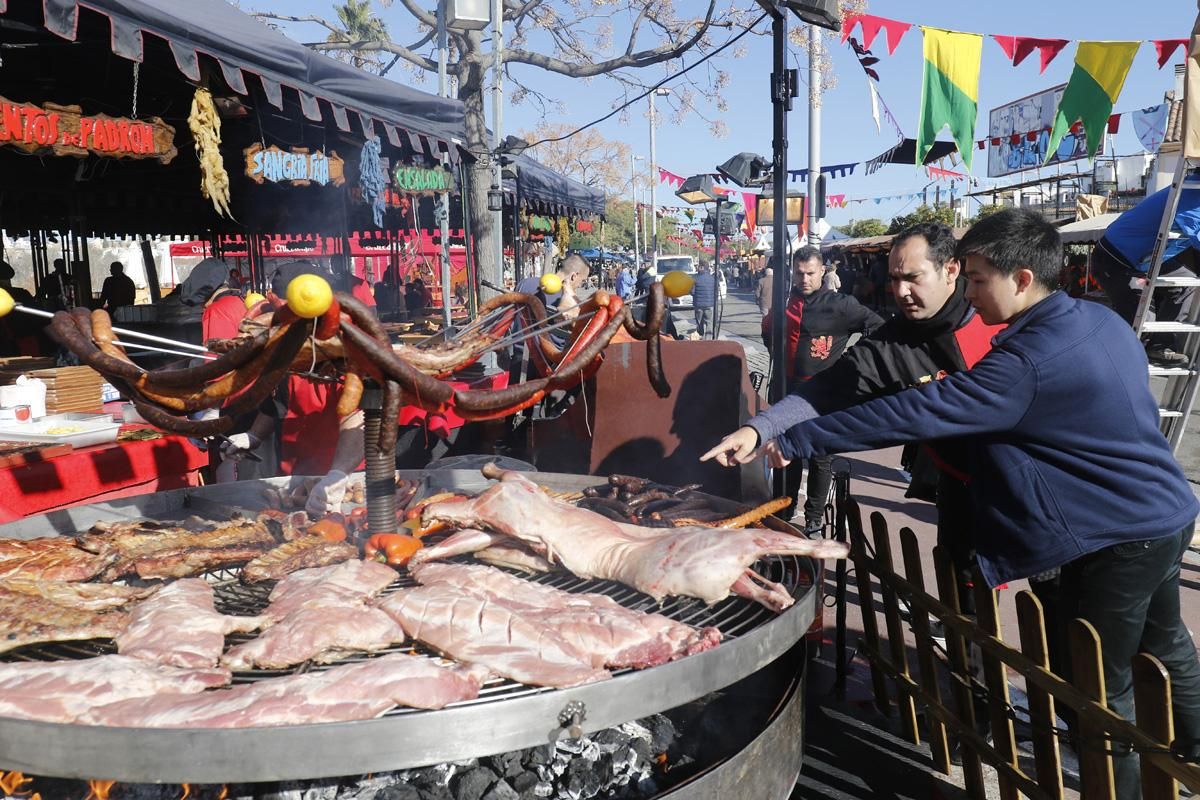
(1068,468)
(704,298)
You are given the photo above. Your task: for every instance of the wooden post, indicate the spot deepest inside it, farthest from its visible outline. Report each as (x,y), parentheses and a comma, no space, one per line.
(1047,761)
(1152,698)
(1095,764)
(913,572)
(895,626)
(948,592)
(996,678)
(866,603)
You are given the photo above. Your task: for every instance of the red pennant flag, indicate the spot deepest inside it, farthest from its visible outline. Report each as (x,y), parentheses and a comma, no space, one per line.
(995,141)
(1114,123)
(1015,139)
(1018,48)
(982,143)
(871,26)
(1032,136)
(1165,48)
(750,201)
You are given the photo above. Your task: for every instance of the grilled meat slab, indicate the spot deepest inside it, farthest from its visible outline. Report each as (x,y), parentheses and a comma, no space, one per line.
(157,550)
(53,558)
(350,582)
(303,553)
(320,633)
(60,691)
(597,626)
(480,631)
(180,627)
(708,563)
(352,692)
(81,596)
(30,619)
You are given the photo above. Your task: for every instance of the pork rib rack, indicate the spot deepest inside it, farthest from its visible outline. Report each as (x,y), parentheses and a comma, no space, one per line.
(708,563)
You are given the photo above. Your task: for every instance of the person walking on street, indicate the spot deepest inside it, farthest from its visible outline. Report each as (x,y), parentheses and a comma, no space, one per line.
(762,292)
(118,289)
(819,324)
(704,299)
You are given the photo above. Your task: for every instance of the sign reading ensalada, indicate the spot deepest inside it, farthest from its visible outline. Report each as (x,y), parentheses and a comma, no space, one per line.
(420,180)
(66,131)
(298,166)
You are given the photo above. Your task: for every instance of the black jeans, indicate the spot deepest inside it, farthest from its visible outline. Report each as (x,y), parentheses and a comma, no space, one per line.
(1130,594)
(820,478)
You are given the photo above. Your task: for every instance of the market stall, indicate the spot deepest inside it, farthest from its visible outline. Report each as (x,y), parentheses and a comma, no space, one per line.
(541,205)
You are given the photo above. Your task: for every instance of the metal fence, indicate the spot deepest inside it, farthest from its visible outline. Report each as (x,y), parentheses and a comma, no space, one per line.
(1098,729)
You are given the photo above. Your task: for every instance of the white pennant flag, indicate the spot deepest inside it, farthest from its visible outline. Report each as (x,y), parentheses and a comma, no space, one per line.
(874,105)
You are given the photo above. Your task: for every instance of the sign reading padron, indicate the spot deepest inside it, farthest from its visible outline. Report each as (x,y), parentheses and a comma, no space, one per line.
(421,180)
(67,132)
(297,166)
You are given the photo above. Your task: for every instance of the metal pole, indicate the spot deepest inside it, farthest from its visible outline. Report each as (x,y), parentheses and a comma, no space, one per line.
(498,120)
(442,209)
(814,132)
(718,307)
(637,253)
(781,103)
(653,182)
(841,496)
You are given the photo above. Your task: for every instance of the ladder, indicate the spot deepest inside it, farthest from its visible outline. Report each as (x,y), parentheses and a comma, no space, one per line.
(1179,396)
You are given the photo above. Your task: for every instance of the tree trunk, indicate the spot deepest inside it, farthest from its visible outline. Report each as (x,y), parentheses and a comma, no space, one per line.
(482,221)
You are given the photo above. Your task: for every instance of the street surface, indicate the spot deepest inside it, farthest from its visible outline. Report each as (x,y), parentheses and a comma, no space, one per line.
(843,732)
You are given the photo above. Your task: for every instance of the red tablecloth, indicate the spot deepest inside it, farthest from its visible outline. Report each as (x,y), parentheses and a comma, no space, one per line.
(442,424)
(100,473)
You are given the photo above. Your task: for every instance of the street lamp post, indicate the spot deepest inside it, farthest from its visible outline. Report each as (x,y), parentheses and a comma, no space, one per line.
(660,92)
(637,253)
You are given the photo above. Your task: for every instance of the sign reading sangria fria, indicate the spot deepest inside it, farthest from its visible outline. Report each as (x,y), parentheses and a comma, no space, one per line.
(66,131)
(298,166)
(421,180)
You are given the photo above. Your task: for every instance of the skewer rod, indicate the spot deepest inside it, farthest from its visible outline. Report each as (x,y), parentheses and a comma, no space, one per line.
(37,312)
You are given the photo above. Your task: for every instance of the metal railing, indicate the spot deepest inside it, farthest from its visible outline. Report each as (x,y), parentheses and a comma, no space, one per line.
(1098,729)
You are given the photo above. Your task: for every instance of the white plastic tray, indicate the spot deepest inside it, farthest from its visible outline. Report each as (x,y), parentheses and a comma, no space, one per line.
(84,431)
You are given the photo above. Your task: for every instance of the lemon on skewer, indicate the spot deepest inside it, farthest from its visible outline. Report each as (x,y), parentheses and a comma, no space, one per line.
(309,296)
(551,284)
(7,304)
(253,299)
(678,283)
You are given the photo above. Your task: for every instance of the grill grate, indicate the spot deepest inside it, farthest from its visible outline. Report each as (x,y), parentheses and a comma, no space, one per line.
(733,616)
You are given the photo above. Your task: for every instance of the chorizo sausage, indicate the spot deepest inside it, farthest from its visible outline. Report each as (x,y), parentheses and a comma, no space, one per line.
(352,388)
(427,390)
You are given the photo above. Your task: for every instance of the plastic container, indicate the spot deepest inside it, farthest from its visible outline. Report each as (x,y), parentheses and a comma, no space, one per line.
(92,429)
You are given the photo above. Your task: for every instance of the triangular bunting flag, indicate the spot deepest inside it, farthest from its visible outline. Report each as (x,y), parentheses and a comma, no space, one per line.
(871,25)
(875,106)
(1018,48)
(1165,48)
(950,90)
(1150,125)
(1095,85)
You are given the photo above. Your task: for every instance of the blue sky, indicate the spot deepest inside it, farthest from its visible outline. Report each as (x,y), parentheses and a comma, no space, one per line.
(849,133)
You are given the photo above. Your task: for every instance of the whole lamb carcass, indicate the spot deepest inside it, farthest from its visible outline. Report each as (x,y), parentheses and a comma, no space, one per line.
(708,563)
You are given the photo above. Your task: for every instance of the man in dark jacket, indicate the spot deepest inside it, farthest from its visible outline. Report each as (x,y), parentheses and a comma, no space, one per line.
(937,334)
(1061,424)
(704,300)
(819,324)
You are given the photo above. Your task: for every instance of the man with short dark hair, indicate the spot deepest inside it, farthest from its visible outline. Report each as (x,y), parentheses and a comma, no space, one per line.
(1060,423)
(704,299)
(118,289)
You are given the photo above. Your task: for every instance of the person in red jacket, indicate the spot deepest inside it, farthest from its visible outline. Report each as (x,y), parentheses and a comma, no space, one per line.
(819,324)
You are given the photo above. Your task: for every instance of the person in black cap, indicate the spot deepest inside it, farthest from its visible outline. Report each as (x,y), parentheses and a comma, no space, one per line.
(224,308)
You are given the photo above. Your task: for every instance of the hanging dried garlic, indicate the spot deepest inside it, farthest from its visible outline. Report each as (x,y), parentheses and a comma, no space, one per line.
(205,125)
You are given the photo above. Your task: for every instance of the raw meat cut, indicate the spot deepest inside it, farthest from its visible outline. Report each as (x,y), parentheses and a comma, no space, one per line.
(181,627)
(302,553)
(351,692)
(28,619)
(51,559)
(320,633)
(82,596)
(349,581)
(597,626)
(60,691)
(708,563)
(479,631)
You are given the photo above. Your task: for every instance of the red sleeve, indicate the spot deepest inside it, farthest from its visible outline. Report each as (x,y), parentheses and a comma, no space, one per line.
(362,292)
(222,317)
(975,339)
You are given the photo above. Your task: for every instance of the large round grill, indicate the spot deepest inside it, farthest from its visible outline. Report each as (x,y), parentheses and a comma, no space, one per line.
(506,715)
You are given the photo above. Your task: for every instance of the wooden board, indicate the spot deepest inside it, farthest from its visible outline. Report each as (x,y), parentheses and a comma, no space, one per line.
(21,454)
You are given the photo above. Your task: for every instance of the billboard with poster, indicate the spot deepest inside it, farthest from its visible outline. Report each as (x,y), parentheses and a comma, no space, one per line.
(1032,113)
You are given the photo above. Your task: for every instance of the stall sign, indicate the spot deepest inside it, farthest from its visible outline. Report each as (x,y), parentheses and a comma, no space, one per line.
(421,180)
(298,166)
(67,132)
(584,226)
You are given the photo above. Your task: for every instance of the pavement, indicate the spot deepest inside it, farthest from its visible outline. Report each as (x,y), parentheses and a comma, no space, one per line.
(844,732)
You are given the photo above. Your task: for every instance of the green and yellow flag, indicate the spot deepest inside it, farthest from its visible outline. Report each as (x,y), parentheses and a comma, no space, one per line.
(1100,70)
(950,90)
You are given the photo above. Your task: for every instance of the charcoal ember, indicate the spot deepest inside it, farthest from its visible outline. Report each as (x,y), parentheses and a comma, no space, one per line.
(543,789)
(642,747)
(473,783)
(399,791)
(501,791)
(436,792)
(609,738)
(662,732)
(507,765)
(304,790)
(647,787)
(541,755)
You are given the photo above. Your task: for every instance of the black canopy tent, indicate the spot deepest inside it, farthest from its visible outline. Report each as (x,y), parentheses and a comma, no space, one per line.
(543,190)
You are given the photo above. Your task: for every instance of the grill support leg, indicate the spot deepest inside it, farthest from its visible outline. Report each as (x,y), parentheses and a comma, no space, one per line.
(381,465)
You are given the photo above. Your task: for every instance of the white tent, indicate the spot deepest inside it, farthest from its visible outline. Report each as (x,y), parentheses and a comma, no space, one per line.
(1086,230)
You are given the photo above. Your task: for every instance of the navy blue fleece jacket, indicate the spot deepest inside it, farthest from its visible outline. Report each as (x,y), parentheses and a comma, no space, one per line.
(1065,453)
